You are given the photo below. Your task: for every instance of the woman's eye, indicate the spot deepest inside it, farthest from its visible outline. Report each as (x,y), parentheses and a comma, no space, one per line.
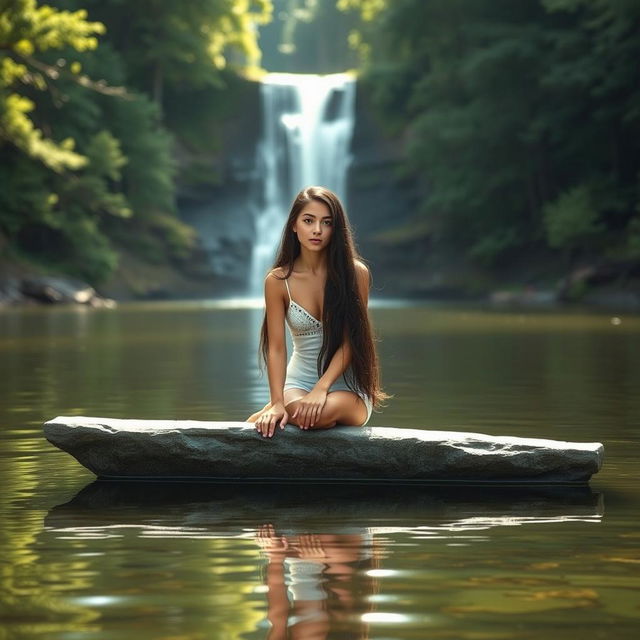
(328,223)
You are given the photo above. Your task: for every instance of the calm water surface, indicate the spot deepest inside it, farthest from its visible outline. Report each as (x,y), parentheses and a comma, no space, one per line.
(81,559)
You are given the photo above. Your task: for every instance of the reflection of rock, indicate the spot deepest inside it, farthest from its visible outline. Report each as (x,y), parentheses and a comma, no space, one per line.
(114,448)
(229,509)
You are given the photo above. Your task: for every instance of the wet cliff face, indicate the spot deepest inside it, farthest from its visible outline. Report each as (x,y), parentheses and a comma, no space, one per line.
(219,206)
(384,208)
(380,204)
(392,233)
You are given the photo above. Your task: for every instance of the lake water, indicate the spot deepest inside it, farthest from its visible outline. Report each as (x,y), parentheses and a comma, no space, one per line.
(80,559)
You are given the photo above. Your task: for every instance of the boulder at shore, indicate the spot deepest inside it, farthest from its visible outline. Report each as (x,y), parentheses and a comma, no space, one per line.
(188,449)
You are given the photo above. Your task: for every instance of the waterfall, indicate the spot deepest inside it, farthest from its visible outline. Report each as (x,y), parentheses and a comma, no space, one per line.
(306,139)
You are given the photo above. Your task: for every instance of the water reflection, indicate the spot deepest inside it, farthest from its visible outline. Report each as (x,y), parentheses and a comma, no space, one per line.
(237,510)
(187,561)
(315,582)
(319,549)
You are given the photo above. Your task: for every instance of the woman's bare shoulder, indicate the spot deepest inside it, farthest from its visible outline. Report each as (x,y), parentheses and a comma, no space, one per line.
(278,273)
(361,268)
(273,283)
(274,288)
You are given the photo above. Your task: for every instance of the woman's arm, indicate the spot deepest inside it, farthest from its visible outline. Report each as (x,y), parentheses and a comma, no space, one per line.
(276,357)
(277,600)
(277,353)
(275,547)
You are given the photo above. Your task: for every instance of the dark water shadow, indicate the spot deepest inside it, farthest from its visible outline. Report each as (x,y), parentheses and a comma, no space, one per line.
(225,509)
(323,547)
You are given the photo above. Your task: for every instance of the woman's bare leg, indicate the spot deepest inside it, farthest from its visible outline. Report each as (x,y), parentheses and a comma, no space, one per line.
(253,417)
(341,408)
(289,396)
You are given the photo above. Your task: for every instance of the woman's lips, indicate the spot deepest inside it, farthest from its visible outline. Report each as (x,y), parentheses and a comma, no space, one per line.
(315,241)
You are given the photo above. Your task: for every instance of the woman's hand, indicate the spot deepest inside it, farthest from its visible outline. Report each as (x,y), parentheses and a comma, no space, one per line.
(274,546)
(310,408)
(309,545)
(266,423)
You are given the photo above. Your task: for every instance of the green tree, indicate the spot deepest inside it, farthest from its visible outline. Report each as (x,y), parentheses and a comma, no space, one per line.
(88,164)
(52,194)
(183,44)
(26,30)
(571,220)
(505,107)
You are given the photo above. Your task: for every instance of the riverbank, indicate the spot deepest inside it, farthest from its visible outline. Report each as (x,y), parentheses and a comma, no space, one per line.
(605,286)
(23,283)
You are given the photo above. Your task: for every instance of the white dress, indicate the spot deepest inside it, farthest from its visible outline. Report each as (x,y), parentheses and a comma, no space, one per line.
(302,370)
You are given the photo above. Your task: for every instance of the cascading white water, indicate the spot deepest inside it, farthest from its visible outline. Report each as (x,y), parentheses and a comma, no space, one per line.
(307,129)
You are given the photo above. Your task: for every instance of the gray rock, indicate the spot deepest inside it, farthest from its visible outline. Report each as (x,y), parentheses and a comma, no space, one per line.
(189,449)
(57,289)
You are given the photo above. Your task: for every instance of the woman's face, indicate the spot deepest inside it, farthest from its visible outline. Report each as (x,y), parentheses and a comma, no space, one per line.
(314,226)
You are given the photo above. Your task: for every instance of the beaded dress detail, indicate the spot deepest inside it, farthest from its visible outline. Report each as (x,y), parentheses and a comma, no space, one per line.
(301,322)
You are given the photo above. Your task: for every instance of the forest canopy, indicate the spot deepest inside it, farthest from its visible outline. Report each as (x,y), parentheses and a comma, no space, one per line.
(87,161)
(522,119)
(519,120)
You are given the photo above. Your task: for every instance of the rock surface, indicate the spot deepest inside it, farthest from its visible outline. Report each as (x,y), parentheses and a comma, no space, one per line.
(49,290)
(187,449)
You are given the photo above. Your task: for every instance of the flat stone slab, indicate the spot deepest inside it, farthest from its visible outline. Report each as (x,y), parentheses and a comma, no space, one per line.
(188,449)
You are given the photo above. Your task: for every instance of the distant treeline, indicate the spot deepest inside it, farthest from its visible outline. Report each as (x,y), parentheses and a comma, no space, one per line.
(97,97)
(521,120)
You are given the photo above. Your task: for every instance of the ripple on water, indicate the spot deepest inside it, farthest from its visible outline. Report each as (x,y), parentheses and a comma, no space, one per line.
(183,563)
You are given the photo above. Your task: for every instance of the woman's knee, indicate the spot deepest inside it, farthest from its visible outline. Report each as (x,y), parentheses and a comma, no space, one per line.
(345,407)
(341,407)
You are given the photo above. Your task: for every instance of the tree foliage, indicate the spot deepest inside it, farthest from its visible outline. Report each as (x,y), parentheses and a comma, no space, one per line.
(522,119)
(182,44)
(26,30)
(86,159)
(572,219)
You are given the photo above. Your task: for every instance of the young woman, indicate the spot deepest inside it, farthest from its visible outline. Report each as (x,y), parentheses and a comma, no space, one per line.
(320,287)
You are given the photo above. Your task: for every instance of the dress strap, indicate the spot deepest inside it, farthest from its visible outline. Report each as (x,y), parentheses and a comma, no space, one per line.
(286,281)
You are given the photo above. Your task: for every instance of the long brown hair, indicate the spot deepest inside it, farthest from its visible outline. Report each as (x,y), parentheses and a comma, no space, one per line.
(344,317)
